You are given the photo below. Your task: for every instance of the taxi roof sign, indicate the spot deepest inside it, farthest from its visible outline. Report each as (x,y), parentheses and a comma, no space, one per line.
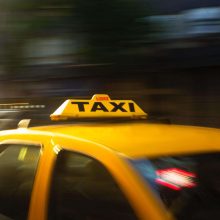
(100,106)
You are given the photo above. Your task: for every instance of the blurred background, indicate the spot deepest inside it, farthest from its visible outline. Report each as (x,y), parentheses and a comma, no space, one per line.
(165,55)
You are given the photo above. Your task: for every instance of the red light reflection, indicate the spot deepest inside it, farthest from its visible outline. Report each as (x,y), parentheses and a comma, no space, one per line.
(175,178)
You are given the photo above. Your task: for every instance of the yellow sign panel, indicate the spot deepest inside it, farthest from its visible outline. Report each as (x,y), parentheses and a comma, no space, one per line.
(100,106)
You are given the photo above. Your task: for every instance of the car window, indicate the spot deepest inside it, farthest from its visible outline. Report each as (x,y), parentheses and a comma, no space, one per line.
(188,185)
(82,188)
(18,165)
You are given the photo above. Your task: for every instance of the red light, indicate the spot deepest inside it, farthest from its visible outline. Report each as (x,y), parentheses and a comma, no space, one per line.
(102,98)
(175,178)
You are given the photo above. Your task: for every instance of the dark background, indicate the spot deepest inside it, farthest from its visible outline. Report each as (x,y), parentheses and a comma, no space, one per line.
(162,54)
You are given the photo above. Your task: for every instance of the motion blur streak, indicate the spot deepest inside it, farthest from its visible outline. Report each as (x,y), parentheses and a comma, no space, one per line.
(165,56)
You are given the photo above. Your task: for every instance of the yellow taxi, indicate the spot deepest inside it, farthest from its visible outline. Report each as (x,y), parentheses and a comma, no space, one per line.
(106,162)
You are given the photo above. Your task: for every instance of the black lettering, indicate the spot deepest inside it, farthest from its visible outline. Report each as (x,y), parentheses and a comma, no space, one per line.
(80,105)
(98,106)
(118,107)
(131,107)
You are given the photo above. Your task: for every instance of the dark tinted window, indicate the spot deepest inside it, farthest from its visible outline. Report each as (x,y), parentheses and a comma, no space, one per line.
(83,189)
(18,165)
(189,185)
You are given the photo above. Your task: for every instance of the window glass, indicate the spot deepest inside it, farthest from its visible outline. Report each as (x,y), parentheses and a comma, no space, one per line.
(189,185)
(83,189)
(18,165)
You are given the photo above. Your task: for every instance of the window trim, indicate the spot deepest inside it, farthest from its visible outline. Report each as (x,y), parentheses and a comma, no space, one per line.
(19,141)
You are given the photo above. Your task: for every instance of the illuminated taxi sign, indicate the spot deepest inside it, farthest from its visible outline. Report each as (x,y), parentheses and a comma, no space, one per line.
(100,106)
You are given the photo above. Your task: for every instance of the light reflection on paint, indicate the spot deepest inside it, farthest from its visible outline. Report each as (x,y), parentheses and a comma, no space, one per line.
(56,149)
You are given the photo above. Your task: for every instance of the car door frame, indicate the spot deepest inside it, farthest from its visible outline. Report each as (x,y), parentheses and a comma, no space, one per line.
(123,174)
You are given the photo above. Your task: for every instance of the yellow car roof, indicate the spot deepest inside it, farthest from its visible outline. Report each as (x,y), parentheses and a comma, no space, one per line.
(139,139)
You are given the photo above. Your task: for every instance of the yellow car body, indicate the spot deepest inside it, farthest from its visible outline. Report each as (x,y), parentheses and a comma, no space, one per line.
(113,143)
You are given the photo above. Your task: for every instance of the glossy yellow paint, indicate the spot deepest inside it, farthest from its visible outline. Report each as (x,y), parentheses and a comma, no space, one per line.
(142,139)
(112,144)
